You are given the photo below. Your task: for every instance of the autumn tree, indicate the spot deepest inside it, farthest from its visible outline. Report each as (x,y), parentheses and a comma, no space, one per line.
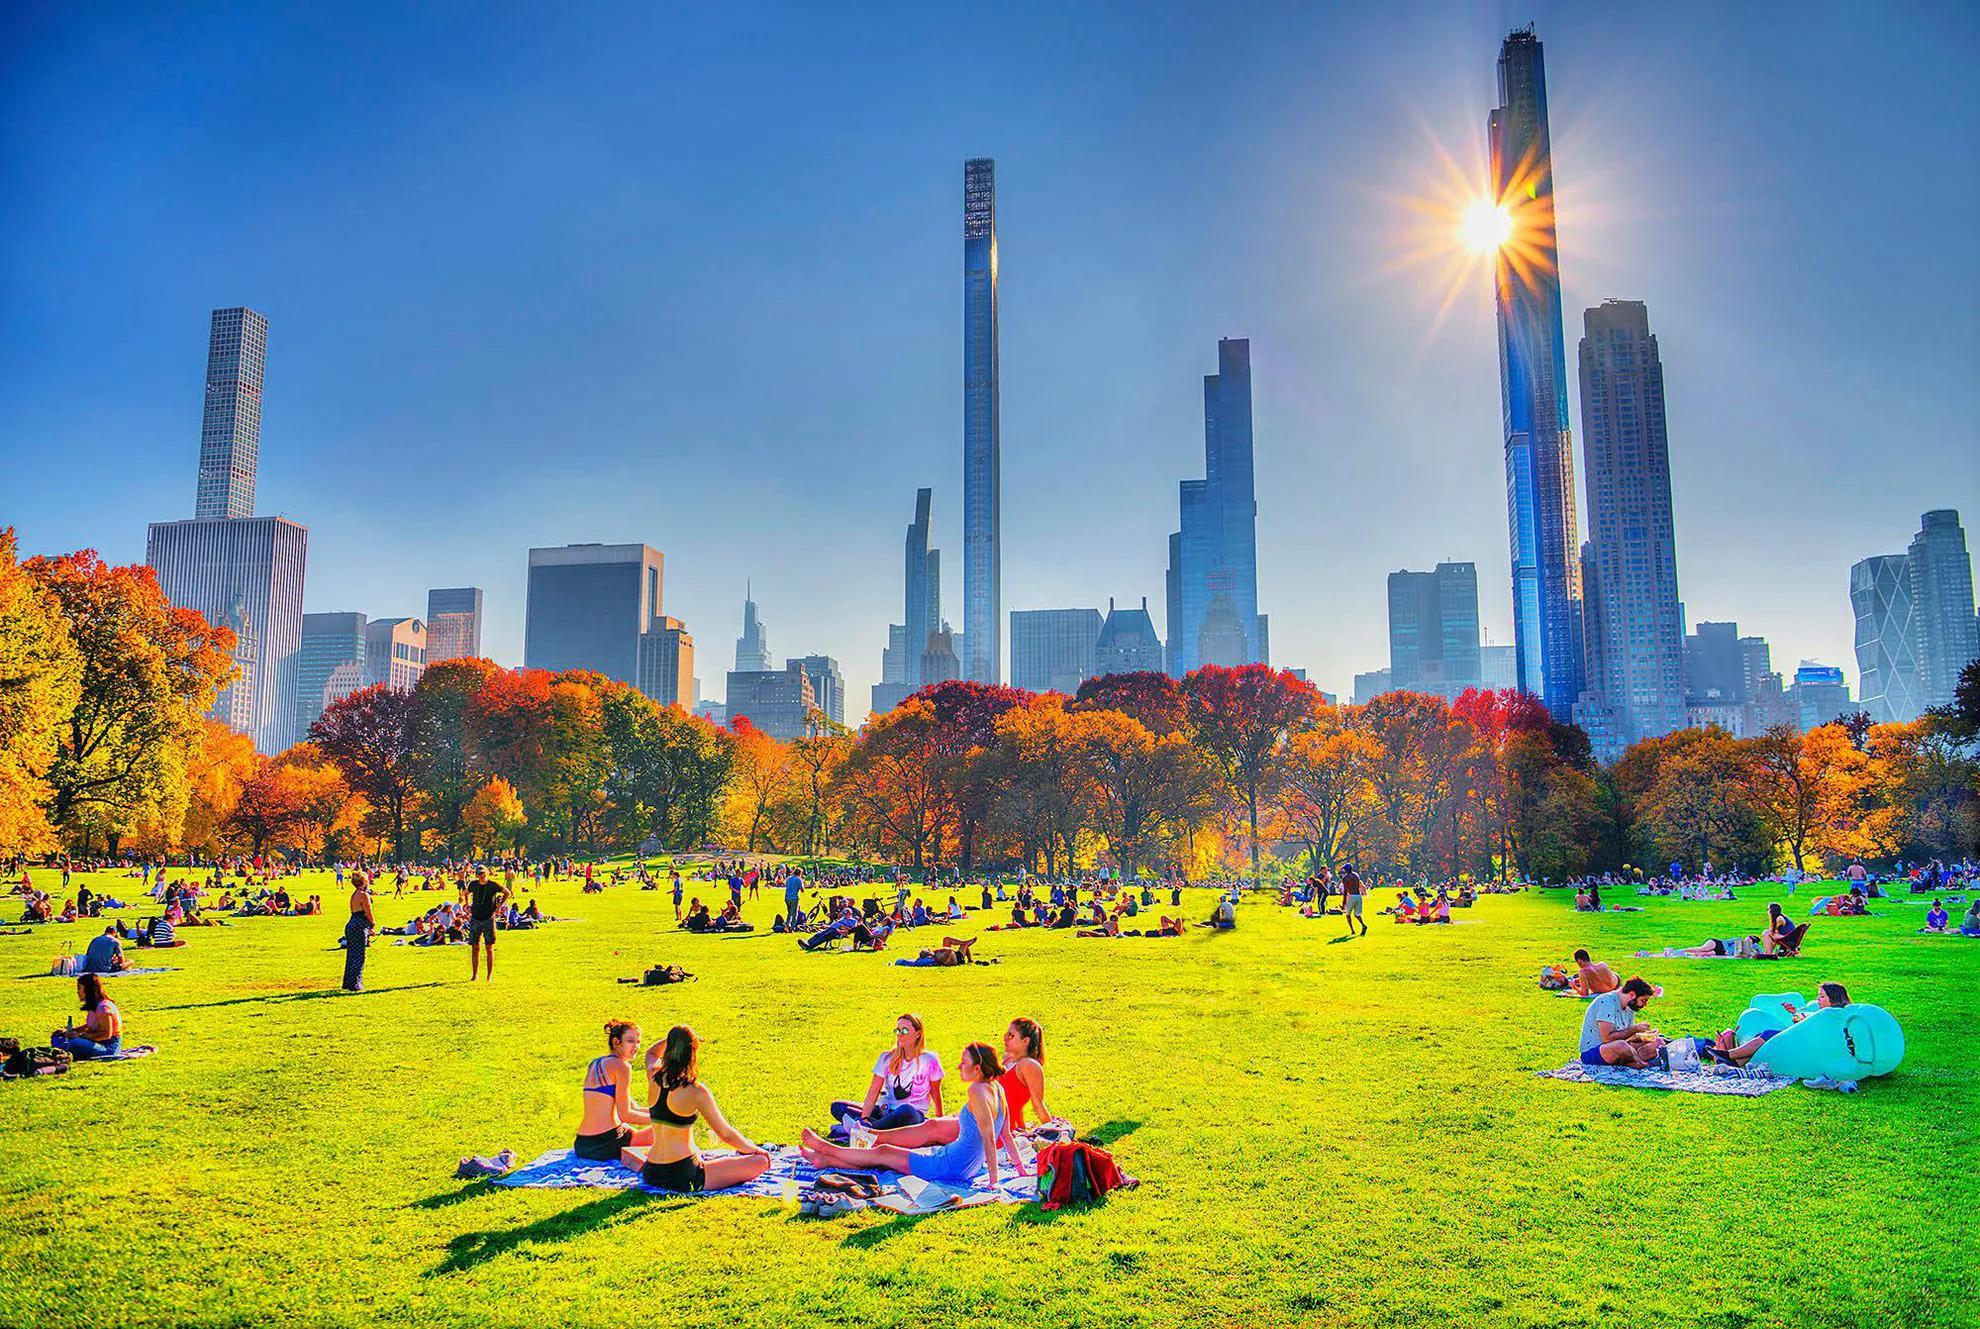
(814,759)
(218,764)
(1416,774)
(445,772)
(373,736)
(1042,780)
(762,771)
(40,684)
(966,716)
(1689,797)
(1153,700)
(892,784)
(328,810)
(149,671)
(1329,786)
(1241,720)
(271,802)
(494,815)
(1925,791)
(1147,790)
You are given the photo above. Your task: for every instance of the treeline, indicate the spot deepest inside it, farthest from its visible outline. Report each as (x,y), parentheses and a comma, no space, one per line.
(104,746)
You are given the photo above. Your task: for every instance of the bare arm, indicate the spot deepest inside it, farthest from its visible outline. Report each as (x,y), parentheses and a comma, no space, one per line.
(1033,1075)
(719,1125)
(979,1105)
(872,1096)
(935,1097)
(622,1097)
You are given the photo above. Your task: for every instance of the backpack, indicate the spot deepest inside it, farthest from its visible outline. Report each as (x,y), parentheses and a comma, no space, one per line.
(1076,1173)
(37,1061)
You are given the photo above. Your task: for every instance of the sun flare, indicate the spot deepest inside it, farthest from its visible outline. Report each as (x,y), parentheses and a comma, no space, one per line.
(1485,226)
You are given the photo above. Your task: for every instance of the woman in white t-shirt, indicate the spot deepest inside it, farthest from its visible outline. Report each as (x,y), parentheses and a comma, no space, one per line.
(906,1087)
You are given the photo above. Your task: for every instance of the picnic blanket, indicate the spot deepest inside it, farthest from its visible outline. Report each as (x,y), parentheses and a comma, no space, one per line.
(128,1054)
(560,1169)
(116,973)
(1741,1084)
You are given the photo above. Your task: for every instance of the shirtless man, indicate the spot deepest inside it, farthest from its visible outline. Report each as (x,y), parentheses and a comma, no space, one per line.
(1592,977)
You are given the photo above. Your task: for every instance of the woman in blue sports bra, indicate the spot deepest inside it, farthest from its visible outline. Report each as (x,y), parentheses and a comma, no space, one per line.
(610,1115)
(982,1127)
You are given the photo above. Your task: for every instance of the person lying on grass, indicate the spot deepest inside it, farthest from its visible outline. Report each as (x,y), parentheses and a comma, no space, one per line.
(1022,1080)
(1110,927)
(1936,918)
(982,1128)
(1741,948)
(1610,1035)
(676,1099)
(102,1034)
(1728,1049)
(610,1121)
(1592,977)
(953,951)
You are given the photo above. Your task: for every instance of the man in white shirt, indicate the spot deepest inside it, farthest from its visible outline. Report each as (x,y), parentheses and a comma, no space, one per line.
(1610,1035)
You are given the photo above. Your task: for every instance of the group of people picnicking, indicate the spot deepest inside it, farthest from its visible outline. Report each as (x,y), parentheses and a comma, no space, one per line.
(1937,919)
(1612,1035)
(899,1125)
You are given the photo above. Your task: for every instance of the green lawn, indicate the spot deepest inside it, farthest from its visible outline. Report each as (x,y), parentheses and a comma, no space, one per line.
(1327,1133)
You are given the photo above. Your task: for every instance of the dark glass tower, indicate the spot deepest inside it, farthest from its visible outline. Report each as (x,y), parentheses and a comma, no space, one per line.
(982,595)
(1213,559)
(1546,568)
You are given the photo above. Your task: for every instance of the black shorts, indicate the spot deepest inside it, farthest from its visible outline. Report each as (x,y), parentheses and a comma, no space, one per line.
(603,1147)
(683,1174)
(481,930)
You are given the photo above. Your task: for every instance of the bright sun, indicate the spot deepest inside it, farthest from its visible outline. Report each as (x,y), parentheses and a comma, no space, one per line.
(1485,226)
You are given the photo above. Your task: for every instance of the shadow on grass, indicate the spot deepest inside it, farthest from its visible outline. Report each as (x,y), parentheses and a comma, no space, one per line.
(316,995)
(448,1199)
(897,1226)
(472,1249)
(1349,937)
(1105,1135)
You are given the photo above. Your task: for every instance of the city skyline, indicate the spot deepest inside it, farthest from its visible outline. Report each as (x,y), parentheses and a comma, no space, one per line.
(355,467)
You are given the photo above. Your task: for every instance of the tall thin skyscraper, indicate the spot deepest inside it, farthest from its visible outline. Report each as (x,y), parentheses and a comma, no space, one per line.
(230,436)
(240,571)
(1942,605)
(753,647)
(1213,559)
(982,465)
(1633,627)
(922,611)
(1545,537)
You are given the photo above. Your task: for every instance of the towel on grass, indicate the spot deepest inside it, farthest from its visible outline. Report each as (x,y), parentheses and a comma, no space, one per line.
(115,973)
(128,1054)
(1744,1084)
(560,1169)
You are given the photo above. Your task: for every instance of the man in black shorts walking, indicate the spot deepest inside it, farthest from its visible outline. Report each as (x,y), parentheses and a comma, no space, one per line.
(1351,901)
(484,899)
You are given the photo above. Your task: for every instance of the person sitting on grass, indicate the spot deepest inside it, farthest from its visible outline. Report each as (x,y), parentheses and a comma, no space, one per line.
(1592,977)
(906,1088)
(982,1128)
(1970,925)
(102,1034)
(731,920)
(105,954)
(610,1121)
(872,936)
(1023,1083)
(1440,912)
(160,934)
(677,1099)
(1726,1049)
(1610,1035)
(955,910)
(1224,917)
(840,927)
(952,952)
(1936,918)
(697,919)
(1781,936)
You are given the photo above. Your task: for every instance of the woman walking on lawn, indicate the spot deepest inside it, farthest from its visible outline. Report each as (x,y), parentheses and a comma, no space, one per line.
(357,932)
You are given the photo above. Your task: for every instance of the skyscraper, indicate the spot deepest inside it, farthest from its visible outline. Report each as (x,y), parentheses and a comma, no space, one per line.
(1052,650)
(1942,605)
(777,701)
(1545,539)
(1128,643)
(453,624)
(239,570)
(828,685)
(922,610)
(982,464)
(1633,627)
(1887,681)
(230,436)
(1820,694)
(330,665)
(1433,630)
(591,606)
(1213,560)
(753,647)
(666,663)
(394,652)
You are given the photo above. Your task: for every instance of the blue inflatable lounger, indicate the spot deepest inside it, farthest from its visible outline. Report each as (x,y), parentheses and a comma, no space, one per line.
(1840,1042)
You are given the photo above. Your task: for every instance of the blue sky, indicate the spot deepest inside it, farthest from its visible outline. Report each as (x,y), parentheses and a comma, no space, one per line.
(691,275)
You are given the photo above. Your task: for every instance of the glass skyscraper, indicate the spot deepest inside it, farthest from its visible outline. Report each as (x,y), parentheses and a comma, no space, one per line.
(1546,568)
(230,435)
(982,497)
(1052,649)
(331,665)
(453,623)
(1433,630)
(1213,560)
(1942,605)
(1633,626)
(1886,639)
(591,606)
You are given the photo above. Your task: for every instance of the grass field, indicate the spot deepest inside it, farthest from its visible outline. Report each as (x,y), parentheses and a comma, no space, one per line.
(1327,1133)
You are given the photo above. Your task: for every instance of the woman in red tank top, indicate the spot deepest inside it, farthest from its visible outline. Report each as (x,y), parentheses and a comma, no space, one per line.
(1024,1074)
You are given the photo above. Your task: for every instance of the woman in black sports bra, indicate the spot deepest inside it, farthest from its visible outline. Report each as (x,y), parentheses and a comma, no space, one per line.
(672,1162)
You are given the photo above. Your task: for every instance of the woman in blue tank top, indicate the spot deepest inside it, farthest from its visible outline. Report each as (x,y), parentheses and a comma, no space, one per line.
(983,1126)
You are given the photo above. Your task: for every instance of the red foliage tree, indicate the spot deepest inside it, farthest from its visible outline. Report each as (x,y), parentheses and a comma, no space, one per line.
(1154,699)
(373,736)
(1242,719)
